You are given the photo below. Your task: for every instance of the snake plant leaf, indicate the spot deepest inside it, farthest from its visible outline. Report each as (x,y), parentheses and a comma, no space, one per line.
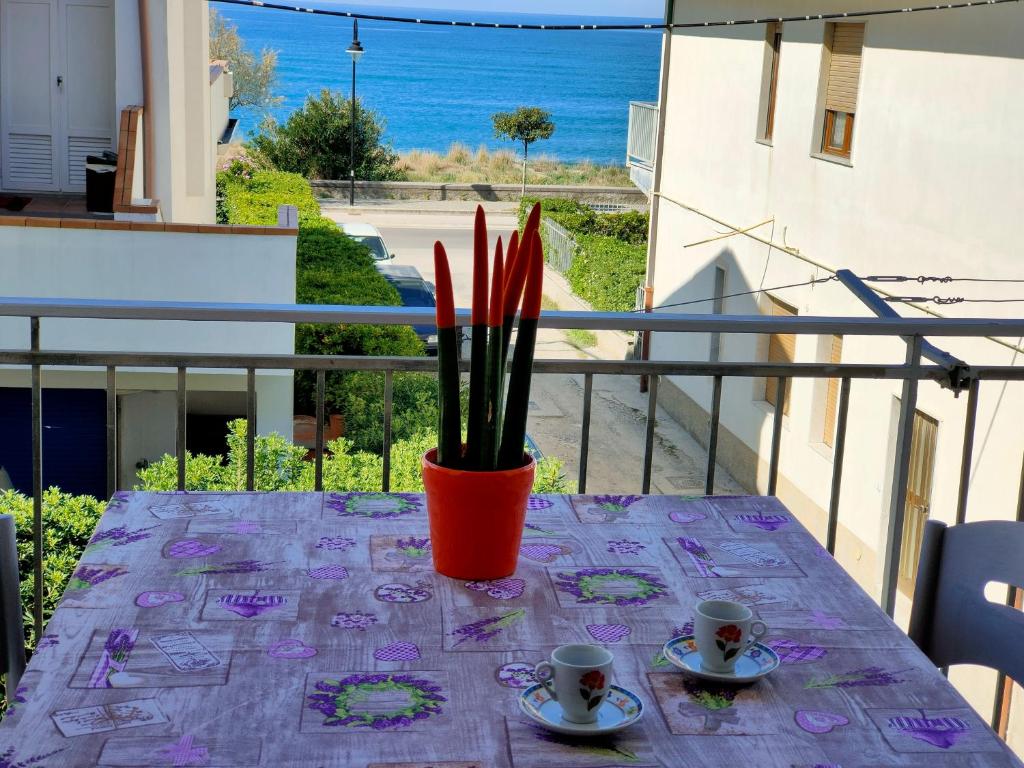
(495,373)
(449,423)
(477,414)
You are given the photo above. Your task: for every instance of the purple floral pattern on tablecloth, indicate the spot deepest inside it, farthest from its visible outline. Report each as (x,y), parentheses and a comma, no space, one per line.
(339,701)
(376,506)
(385,649)
(336,543)
(611,586)
(356,620)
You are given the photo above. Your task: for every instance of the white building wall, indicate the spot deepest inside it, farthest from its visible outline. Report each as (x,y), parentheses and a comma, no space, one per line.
(156,266)
(933,187)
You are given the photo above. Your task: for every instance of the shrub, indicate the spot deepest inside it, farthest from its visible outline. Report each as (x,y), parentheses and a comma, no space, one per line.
(605,272)
(315,141)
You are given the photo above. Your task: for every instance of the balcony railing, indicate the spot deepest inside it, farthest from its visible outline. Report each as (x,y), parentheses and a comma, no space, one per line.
(642,143)
(910,373)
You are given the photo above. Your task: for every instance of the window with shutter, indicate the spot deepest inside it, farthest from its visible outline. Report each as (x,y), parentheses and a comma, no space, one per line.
(845,43)
(919,497)
(781,349)
(832,394)
(770,85)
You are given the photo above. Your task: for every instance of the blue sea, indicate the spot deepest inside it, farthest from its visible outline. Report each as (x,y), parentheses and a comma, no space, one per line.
(438,85)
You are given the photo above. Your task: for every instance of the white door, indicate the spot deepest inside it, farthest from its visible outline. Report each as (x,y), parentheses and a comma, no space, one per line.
(56,91)
(86,35)
(29,102)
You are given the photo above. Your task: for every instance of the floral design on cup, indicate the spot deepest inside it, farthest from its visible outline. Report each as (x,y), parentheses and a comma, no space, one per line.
(357,620)
(377,506)
(343,702)
(728,636)
(592,688)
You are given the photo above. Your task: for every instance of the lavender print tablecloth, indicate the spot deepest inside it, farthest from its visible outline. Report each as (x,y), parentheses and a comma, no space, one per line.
(310,630)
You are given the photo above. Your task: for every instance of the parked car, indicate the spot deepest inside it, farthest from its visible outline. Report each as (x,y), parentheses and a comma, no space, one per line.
(414,291)
(370,236)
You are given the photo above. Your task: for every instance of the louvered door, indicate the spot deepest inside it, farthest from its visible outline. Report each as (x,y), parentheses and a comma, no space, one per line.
(29,106)
(56,91)
(86,32)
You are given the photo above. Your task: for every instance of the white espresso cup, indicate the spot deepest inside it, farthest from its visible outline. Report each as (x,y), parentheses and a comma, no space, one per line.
(577,677)
(723,631)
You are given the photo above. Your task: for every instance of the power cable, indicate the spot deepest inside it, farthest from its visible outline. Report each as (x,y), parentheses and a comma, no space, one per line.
(613,27)
(742,293)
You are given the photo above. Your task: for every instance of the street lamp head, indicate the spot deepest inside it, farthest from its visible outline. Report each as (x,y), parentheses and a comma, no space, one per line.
(355,50)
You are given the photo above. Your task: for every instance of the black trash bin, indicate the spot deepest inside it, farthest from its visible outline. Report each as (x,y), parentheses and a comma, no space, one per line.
(100,173)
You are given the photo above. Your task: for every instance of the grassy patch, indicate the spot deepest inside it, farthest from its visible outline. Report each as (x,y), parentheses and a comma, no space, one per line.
(462,165)
(581,338)
(546,302)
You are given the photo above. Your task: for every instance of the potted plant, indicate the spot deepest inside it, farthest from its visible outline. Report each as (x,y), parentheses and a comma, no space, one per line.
(477,492)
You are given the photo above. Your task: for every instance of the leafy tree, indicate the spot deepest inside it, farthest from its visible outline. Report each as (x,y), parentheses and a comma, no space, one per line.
(255,77)
(314,141)
(526,125)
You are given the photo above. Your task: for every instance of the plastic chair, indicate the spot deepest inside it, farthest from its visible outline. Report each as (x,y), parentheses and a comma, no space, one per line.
(12,633)
(952,621)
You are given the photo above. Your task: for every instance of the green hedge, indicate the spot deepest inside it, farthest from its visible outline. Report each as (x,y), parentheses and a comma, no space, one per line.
(611,255)
(331,268)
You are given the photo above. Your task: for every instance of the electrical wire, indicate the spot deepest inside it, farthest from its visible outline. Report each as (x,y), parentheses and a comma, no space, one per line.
(741,293)
(922,279)
(614,27)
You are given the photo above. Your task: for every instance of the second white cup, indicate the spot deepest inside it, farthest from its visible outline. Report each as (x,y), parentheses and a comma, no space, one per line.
(723,631)
(577,677)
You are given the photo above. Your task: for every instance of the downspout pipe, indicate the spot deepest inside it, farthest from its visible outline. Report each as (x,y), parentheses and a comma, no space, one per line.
(659,151)
(149,163)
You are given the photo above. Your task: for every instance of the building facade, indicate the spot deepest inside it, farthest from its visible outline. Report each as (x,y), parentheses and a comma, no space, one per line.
(886,145)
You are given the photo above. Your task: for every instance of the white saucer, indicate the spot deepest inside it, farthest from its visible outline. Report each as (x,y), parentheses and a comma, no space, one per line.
(758,660)
(620,709)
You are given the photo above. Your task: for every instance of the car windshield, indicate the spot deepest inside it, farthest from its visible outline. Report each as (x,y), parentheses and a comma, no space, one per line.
(414,296)
(375,244)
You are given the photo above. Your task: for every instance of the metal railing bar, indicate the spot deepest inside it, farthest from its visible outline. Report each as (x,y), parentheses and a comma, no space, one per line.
(652,414)
(716,418)
(37,485)
(111,430)
(901,477)
(970,422)
(179,427)
(201,361)
(318,471)
(838,455)
(623,321)
(588,395)
(388,405)
(250,429)
(777,419)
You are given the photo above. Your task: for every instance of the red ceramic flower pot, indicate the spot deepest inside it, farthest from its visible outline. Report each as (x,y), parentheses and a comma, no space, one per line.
(476,518)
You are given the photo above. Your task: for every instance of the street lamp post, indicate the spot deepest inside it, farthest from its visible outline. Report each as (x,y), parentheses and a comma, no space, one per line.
(355,50)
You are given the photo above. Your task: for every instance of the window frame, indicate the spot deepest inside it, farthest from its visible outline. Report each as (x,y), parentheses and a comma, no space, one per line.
(773,59)
(827,146)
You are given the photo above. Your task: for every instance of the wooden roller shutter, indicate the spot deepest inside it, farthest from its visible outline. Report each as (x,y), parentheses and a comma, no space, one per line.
(832,393)
(844,67)
(781,349)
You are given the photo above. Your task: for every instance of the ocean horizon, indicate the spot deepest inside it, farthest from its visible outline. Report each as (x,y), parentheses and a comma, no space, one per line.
(435,86)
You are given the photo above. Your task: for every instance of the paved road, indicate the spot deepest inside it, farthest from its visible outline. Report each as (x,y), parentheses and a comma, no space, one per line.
(619,409)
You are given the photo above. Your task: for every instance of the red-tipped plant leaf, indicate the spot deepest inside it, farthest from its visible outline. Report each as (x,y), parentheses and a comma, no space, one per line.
(443,288)
(480,267)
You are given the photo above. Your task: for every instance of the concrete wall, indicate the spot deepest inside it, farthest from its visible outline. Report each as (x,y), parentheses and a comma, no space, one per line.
(158,266)
(932,187)
(184,144)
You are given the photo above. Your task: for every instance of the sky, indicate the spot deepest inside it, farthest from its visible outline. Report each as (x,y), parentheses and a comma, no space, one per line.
(635,8)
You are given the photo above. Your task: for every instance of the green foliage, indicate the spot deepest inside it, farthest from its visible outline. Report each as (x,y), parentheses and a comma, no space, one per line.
(315,141)
(254,77)
(68,524)
(611,255)
(279,467)
(605,272)
(525,125)
(331,268)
